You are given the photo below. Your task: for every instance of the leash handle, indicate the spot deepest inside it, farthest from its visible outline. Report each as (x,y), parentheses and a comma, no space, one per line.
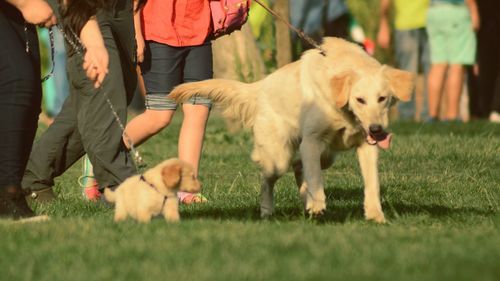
(299,32)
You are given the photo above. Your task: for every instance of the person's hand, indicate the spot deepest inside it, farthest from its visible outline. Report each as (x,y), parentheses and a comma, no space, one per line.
(96,58)
(95,63)
(141,46)
(37,12)
(384,36)
(475,21)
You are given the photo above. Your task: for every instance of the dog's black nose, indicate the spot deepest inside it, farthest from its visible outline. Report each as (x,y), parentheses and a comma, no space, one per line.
(376,129)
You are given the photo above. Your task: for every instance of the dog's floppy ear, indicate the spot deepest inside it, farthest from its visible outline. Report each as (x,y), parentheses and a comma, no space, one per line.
(171,174)
(401,82)
(341,87)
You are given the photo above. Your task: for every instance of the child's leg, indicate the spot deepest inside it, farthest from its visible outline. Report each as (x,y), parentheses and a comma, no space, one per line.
(454,83)
(192,133)
(435,84)
(147,124)
(198,67)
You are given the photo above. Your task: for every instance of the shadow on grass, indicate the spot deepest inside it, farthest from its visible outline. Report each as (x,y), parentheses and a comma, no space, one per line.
(343,205)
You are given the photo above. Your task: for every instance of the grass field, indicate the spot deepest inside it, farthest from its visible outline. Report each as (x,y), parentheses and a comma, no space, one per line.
(440,190)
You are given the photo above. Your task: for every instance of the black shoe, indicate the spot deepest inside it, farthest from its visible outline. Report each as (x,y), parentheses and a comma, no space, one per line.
(41,196)
(13,204)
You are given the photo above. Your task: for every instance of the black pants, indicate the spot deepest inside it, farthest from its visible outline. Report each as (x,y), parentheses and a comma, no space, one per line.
(20,94)
(489,56)
(86,124)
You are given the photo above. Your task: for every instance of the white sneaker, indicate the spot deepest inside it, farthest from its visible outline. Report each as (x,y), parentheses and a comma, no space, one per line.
(495,117)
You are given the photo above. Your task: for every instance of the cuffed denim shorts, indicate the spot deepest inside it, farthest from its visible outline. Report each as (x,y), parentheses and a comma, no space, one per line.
(165,67)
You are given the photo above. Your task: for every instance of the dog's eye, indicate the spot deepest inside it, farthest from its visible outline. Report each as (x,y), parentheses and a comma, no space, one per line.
(360,100)
(382,99)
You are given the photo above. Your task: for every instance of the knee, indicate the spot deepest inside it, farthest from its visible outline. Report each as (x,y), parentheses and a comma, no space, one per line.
(159,120)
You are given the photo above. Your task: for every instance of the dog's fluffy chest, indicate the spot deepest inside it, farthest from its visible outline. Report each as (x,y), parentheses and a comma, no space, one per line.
(346,137)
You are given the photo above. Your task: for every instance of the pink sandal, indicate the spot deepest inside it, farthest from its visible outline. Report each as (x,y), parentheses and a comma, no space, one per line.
(190,198)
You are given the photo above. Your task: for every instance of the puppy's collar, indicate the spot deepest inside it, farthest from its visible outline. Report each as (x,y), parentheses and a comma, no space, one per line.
(142,178)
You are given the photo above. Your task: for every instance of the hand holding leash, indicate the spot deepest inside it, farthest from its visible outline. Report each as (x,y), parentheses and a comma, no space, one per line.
(96,58)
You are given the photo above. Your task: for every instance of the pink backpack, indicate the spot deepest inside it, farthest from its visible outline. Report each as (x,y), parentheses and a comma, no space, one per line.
(228,15)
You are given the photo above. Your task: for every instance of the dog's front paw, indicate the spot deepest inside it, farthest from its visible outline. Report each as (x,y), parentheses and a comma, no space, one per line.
(376,216)
(315,204)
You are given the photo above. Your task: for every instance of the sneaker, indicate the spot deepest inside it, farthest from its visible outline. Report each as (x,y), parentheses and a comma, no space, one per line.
(88,182)
(495,117)
(188,198)
(431,120)
(13,204)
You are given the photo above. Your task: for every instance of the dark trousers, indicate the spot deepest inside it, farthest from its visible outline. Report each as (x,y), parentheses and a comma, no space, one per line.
(86,123)
(489,56)
(20,94)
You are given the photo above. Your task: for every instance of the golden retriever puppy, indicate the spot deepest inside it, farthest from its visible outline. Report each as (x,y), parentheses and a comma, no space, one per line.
(317,106)
(154,192)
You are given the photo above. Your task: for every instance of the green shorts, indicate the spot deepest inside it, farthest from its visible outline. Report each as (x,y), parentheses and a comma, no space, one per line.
(451,37)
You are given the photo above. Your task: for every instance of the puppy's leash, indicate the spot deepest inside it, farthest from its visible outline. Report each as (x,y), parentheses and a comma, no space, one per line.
(299,32)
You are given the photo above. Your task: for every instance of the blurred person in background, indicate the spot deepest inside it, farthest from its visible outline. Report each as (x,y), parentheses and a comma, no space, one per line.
(318,18)
(450,27)
(410,45)
(489,59)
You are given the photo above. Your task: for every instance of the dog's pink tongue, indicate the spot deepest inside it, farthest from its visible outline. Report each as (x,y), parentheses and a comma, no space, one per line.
(386,142)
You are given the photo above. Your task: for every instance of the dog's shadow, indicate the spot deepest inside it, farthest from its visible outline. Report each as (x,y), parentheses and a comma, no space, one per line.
(343,205)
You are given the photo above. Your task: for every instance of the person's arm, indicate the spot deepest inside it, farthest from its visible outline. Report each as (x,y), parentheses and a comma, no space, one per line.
(96,58)
(474,14)
(138,33)
(384,31)
(36,12)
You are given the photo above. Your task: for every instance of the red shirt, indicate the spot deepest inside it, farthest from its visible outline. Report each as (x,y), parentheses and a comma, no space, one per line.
(177,22)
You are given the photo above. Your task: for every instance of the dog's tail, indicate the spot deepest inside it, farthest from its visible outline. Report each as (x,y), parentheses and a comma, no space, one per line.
(238,100)
(109,195)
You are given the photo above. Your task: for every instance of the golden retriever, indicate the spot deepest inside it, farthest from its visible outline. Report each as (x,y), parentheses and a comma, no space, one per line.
(318,105)
(144,196)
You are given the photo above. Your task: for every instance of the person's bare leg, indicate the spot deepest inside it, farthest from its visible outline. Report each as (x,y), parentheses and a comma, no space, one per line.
(147,124)
(191,143)
(435,84)
(192,134)
(454,84)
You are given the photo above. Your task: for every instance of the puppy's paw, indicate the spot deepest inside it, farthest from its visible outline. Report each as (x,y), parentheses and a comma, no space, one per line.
(173,219)
(172,216)
(376,216)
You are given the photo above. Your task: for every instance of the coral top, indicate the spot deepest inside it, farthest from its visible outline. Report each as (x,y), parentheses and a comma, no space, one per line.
(177,23)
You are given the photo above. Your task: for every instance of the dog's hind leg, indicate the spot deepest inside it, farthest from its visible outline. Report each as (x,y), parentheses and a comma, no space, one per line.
(275,164)
(368,161)
(144,215)
(267,195)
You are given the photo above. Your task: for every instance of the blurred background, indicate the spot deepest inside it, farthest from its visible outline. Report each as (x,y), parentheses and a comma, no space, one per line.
(266,43)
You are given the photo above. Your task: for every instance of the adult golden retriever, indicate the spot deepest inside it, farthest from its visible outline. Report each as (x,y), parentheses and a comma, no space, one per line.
(319,105)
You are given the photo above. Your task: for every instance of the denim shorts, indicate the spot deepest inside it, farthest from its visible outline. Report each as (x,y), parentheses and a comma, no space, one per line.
(165,67)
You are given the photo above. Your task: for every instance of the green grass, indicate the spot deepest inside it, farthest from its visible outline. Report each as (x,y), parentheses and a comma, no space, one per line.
(440,190)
